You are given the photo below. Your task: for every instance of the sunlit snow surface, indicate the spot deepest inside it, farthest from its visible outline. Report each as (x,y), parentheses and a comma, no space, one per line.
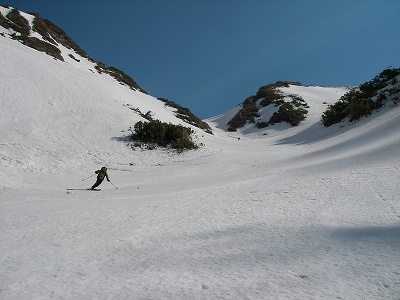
(284,213)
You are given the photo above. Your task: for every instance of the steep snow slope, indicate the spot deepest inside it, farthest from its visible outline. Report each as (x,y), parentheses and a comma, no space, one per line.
(58,116)
(285,213)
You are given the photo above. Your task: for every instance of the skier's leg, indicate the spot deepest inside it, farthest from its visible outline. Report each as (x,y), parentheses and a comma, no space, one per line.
(98,182)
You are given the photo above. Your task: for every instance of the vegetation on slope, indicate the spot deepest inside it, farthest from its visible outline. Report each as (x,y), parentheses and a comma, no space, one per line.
(186,115)
(52,36)
(152,133)
(22,29)
(155,132)
(119,76)
(363,101)
(292,112)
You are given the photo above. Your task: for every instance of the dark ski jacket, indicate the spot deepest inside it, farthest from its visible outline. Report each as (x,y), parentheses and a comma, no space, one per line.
(101,174)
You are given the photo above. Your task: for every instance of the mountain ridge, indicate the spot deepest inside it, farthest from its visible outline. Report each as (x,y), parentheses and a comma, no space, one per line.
(294,212)
(48,94)
(44,36)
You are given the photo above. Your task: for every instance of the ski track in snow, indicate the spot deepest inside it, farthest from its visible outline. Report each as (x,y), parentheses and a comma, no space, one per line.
(285,213)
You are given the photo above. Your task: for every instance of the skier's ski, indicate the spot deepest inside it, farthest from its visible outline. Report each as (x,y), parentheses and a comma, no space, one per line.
(83,190)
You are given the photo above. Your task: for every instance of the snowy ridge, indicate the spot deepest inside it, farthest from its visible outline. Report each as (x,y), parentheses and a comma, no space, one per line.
(284,212)
(318,98)
(57,115)
(50,103)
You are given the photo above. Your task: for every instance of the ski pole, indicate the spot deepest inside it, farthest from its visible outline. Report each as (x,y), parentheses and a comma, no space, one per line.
(113,185)
(88,177)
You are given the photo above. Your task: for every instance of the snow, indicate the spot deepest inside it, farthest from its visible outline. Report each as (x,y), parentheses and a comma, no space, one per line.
(4,11)
(283,213)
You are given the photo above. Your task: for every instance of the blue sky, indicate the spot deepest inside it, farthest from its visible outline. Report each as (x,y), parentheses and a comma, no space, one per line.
(210,55)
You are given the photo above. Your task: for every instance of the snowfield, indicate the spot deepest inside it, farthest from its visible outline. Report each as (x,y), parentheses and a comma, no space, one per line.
(281,213)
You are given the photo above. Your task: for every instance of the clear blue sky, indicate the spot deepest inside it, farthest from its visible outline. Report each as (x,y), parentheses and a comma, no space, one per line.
(210,55)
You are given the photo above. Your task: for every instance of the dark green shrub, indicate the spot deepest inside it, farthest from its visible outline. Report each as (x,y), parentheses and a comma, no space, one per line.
(164,135)
(42,46)
(335,113)
(7,24)
(265,91)
(73,57)
(149,132)
(179,137)
(18,22)
(360,107)
(186,115)
(370,88)
(148,116)
(270,95)
(51,31)
(298,101)
(354,105)
(248,112)
(288,113)
(358,103)
(119,76)
(40,27)
(261,125)
(123,78)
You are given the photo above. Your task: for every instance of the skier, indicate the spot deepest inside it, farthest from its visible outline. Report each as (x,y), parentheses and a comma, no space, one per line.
(100,177)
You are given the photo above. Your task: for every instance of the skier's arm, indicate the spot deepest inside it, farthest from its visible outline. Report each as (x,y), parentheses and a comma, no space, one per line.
(108,179)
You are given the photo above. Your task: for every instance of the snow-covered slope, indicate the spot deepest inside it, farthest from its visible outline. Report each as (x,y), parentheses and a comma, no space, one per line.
(317,98)
(59,115)
(280,213)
